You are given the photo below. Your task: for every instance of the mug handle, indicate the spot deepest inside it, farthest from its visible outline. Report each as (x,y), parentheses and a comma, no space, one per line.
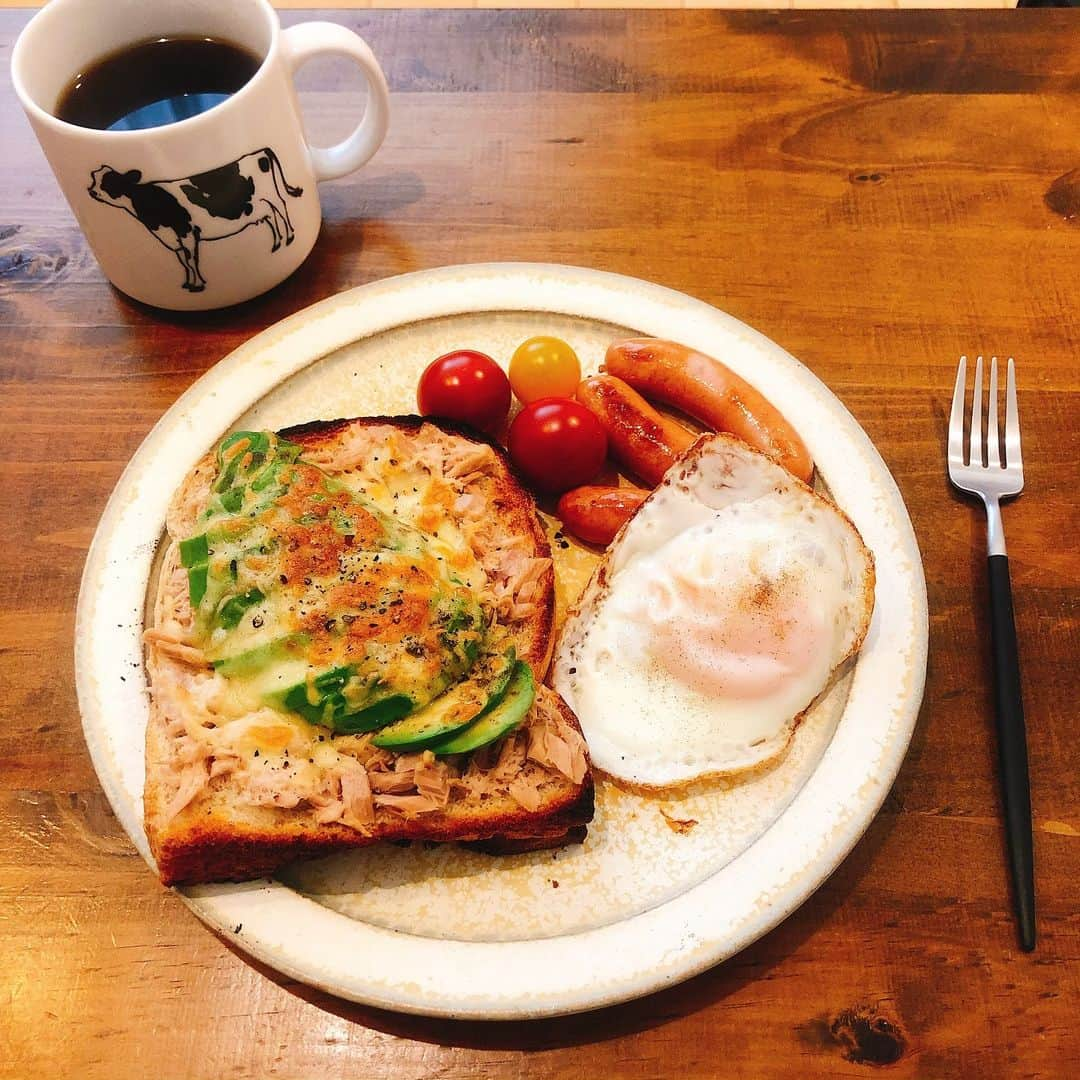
(301,43)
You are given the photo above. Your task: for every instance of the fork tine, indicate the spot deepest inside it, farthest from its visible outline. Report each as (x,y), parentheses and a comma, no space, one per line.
(956,417)
(993,454)
(1012,420)
(975,437)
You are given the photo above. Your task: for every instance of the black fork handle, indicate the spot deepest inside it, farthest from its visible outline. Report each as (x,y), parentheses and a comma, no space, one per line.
(1012,749)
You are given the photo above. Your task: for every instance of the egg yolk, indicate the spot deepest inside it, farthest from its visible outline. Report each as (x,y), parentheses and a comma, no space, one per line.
(745,644)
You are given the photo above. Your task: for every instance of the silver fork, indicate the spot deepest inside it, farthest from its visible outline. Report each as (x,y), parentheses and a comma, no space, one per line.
(982,472)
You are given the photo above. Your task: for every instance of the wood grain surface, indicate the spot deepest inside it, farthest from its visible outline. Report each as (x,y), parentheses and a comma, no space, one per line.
(878,192)
(350,4)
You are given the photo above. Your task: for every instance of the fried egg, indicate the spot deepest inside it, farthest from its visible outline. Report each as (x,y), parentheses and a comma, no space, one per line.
(718,615)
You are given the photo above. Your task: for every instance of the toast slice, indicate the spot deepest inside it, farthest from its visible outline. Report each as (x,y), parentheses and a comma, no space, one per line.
(234,790)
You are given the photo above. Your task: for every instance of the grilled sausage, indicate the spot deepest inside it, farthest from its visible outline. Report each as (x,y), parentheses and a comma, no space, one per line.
(596,514)
(703,388)
(639,438)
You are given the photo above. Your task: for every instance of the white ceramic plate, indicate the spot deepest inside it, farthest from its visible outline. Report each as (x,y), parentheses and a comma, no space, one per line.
(640,905)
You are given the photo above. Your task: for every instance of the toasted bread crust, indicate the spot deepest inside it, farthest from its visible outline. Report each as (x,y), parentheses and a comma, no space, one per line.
(508,845)
(212,839)
(218,849)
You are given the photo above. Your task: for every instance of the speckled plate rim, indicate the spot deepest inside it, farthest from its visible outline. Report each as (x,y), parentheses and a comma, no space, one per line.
(555,975)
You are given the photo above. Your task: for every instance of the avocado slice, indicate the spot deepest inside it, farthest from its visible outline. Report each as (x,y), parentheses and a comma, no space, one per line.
(278,671)
(320,701)
(377,715)
(324,701)
(459,706)
(494,722)
(256,659)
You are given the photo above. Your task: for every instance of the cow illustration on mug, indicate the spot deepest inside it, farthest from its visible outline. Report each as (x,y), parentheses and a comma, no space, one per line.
(182,214)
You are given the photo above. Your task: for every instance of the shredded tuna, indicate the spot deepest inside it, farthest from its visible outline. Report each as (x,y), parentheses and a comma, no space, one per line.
(481,760)
(174,612)
(360,747)
(525,587)
(469,505)
(476,778)
(465,458)
(432,779)
(579,752)
(171,644)
(356,796)
(331,812)
(189,500)
(272,787)
(193,779)
(511,758)
(351,449)
(408,805)
(224,765)
(392,783)
(517,581)
(525,794)
(563,752)
(191,752)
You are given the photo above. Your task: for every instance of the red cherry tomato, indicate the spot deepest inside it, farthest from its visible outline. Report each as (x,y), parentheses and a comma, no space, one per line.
(557,444)
(465,385)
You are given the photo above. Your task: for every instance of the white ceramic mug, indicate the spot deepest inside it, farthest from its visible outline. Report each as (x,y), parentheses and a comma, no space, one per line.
(147,199)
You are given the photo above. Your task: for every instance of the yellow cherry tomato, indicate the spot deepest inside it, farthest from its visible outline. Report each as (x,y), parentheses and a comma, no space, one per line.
(544,367)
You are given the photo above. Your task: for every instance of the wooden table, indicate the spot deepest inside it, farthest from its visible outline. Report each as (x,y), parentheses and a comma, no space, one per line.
(876,192)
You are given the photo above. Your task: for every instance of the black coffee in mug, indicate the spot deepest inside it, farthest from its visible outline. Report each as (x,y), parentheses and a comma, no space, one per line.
(155,82)
(201,203)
